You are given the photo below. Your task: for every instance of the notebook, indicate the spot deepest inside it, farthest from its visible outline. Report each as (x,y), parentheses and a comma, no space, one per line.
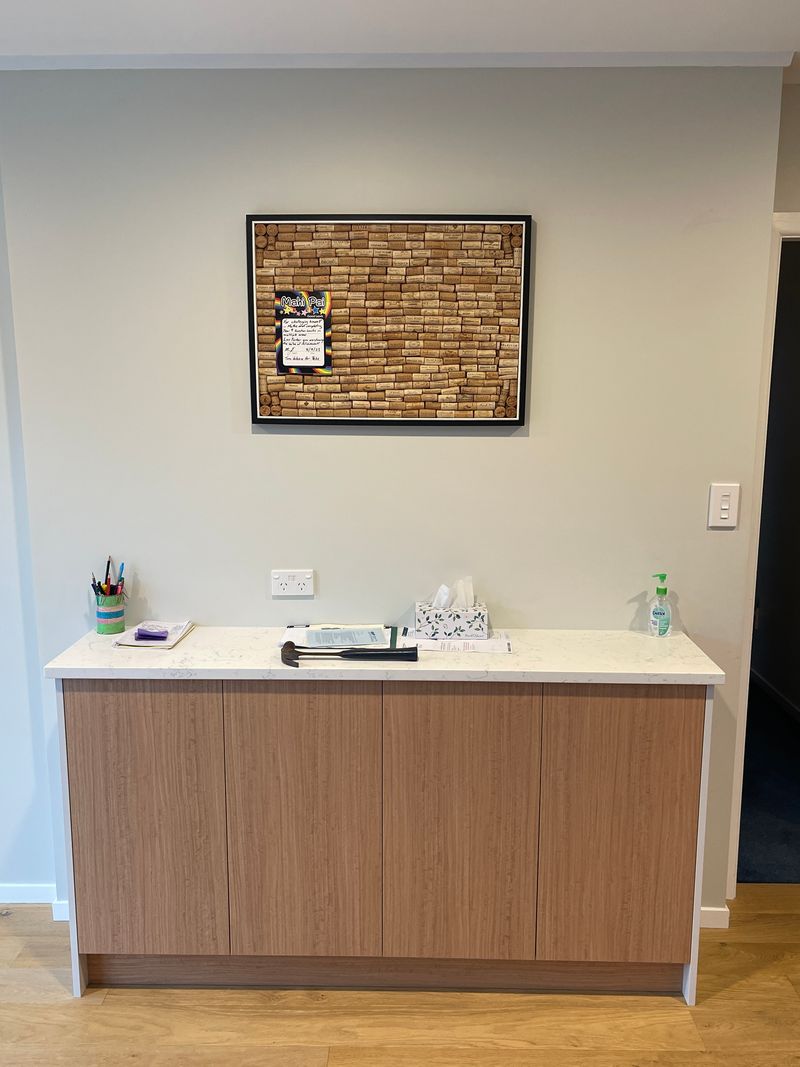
(176,632)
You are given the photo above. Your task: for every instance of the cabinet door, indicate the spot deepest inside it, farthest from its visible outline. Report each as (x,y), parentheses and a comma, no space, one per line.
(461,788)
(147,806)
(620,794)
(304,817)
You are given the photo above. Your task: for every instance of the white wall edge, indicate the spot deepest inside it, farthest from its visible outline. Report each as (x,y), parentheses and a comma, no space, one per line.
(77,960)
(715,918)
(689,983)
(27,892)
(389,60)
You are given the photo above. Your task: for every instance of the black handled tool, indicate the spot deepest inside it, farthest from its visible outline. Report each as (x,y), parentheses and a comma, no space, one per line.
(291,653)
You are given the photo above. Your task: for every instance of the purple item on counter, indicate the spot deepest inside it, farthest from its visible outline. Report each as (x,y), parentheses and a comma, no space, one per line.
(152,633)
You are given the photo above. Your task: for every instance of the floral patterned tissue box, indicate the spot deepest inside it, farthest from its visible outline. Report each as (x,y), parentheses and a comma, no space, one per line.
(444,623)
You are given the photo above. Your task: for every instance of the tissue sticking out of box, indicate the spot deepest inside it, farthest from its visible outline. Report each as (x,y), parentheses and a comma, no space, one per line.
(452,612)
(459,596)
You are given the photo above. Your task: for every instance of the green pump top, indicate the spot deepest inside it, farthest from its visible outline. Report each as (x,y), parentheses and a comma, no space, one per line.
(661,588)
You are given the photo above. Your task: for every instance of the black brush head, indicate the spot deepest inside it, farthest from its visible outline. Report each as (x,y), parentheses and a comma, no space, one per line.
(289,654)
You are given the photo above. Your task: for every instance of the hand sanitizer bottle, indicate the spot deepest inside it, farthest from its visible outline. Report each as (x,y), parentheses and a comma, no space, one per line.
(660,619)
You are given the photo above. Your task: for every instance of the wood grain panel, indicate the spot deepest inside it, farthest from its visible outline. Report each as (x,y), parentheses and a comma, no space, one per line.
(461,773)
(147,802)
(619,802)
(304,817)
(349,972)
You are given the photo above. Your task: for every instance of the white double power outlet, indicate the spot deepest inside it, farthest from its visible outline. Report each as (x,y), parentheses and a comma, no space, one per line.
(292,583)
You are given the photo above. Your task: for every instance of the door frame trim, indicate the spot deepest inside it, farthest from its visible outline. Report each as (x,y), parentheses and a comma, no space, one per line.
(785,224)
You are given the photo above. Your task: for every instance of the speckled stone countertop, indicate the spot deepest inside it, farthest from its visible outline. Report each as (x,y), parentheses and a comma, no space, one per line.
(539,656)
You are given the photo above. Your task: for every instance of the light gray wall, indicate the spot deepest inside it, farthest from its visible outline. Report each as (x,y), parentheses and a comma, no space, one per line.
(652,191)
(26,840)
(787,184)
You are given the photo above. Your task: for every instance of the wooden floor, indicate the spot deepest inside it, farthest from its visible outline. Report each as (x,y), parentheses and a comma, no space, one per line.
(748,1013)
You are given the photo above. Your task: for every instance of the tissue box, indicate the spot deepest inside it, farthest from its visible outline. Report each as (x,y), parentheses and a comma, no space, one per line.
(442,623)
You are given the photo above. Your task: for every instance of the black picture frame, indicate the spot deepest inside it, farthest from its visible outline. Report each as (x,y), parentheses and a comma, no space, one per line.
(388,421)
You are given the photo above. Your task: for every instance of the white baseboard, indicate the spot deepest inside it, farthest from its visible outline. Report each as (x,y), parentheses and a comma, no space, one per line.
(715,918)
(27,892)
(44,893)
(710,918)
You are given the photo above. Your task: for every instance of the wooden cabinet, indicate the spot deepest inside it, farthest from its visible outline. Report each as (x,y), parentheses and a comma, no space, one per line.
(620,793)
(461,793)
(304,817)
(147,803)
(511,835)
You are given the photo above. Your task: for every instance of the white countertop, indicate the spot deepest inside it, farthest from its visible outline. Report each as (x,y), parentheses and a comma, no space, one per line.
(539,656)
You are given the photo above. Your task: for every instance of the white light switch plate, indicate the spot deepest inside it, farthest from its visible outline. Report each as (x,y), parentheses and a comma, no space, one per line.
(292,583)
(723,506)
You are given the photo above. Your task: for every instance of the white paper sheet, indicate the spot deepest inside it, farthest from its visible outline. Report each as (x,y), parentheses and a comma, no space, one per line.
(338,636)
(303,341)
(497,641)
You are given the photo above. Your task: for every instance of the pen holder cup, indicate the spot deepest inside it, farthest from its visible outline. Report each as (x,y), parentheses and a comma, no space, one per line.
(111,614)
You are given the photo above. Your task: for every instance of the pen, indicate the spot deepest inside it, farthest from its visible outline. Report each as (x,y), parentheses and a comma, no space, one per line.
(108,587)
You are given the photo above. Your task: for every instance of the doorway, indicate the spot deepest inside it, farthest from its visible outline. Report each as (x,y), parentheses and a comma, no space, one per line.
(769,839)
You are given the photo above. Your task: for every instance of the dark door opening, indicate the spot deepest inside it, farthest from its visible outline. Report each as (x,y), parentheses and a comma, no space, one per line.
(769,843)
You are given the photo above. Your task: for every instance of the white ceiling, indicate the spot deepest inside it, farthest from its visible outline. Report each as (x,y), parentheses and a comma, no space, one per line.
(213,33)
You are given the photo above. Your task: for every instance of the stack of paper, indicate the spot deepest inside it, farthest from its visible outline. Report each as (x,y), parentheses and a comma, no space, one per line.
(321,636)
(176,631)
(497,641)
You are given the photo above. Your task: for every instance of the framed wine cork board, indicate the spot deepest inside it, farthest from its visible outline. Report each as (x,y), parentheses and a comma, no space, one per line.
(402,319)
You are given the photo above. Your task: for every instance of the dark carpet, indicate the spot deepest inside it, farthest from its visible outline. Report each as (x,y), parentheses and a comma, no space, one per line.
(769,845)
